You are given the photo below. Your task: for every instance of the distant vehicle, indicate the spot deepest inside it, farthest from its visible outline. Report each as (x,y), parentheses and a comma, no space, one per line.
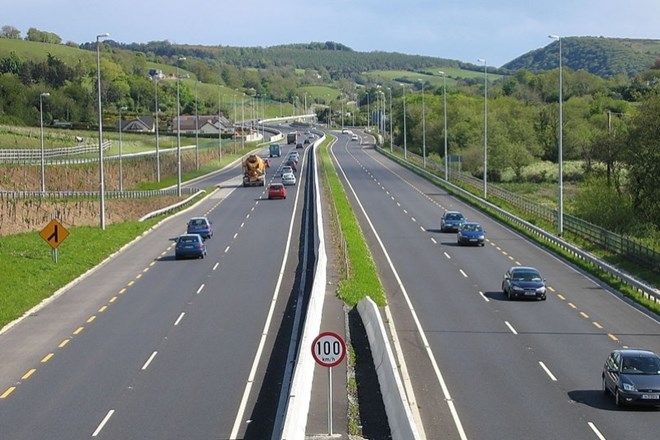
(451,221)
(189,246)
(299,145)
(201,226)
(293,156)
(345,131)
(275,150)
(276,191)
(291,163)
(354,137)
(632,376)
(471,233)
(288,179)
(254,171)
(286,169)
(306,141)
(523,282)
(291,138)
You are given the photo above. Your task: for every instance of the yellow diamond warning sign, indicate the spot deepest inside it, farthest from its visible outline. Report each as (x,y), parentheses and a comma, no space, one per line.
(54,233)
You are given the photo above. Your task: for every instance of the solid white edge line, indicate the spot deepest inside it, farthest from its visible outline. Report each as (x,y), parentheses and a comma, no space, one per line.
(513,330)
(548,372)
(103,422)
(429,352)
(178,320)
(200,289)
(238,421)
(151,358)
(596,431)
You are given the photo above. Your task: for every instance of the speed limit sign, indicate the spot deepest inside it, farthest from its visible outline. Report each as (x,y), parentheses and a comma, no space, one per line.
(328,349)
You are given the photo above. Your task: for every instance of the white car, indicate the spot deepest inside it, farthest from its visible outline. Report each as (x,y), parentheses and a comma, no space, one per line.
(354,137)
(289,179)
(287,169)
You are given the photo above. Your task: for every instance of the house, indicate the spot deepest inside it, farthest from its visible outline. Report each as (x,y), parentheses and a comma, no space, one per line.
(140,124)
(204,124)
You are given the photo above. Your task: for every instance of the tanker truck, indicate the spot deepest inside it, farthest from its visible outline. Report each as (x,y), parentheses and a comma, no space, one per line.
(254,171)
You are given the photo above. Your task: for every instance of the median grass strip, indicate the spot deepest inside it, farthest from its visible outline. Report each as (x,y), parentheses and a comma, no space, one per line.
(363,280)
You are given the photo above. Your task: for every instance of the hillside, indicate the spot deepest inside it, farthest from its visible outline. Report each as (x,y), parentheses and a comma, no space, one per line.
(605,57)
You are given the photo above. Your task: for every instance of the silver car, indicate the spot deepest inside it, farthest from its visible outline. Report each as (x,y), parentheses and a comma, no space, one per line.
(289,179)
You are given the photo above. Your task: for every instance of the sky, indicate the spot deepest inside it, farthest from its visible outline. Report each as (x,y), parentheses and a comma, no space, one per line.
(497,31)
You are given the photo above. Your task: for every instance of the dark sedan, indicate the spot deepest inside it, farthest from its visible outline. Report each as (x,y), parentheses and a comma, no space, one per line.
(189,246)
(632,376)
(471,233)
(451,221)
(523,282)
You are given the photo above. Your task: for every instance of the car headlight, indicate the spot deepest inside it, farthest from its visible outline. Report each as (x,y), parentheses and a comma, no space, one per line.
(481,237)
(540,290)
(518,289)
(629,387)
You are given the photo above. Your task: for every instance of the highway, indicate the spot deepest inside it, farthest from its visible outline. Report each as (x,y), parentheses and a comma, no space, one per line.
(479,366)
(152,348)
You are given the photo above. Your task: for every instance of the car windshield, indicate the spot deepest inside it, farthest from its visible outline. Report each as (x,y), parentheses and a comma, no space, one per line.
(526,275)
(641,365)
(187,240)
(471,227)
(454,217)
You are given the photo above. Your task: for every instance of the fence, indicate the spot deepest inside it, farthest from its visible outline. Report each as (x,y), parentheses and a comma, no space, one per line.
(33,156)
(95,194)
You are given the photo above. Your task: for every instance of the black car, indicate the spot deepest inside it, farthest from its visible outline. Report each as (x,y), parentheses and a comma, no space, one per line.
(299,145)
(523,282)
(451,221)
(632,376)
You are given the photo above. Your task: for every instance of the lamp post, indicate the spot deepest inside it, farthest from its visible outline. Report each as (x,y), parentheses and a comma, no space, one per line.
(560,219)
(481,60)
(196,127)
(219,127)
(391,140)
(423,127)
(178,130)
(43,159)
(157,139)
(405,134)
(98,86)
(444,94)
(121,168)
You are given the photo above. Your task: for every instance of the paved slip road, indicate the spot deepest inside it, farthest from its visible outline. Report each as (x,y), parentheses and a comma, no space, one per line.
(152,348)
(504,369)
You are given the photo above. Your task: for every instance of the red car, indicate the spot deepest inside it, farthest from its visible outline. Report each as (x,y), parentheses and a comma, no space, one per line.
(276,191)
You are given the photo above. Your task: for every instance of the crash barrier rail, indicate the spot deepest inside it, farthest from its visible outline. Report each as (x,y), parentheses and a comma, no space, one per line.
(95,194)
(32,155)
(397,407)
(647,291)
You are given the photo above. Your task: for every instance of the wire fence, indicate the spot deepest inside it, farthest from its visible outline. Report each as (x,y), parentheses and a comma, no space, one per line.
(55,195)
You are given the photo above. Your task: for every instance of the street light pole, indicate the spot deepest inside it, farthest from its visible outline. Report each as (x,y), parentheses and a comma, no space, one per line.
(444,93)
(219,127)
(178,130)
(481,60)
(121,168)
(157,139)
(196,127)
(98,86)
(43,159)
(560,219)
(391,120)
(405,134)
(423,127)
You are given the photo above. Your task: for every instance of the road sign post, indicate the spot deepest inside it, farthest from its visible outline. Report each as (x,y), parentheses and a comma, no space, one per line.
(54,234)
(329,350)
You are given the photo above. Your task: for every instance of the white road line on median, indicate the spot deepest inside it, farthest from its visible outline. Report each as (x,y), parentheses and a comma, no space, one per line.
(151,358)
(226,249)
(447,255)
(596,431)
(484,296)
(103,422)
(463,273)
(513,330)
(433,240)
(215,266)
(235,235)
(200,289)
(178,320)
(548,372)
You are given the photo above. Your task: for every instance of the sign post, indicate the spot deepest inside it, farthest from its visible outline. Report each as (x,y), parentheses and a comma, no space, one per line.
(329,350)
(54,234)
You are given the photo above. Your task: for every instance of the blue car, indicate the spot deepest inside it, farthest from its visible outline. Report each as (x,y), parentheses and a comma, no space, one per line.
(523,282)
(201,226)
(451,221)
(189,246)
(471,233)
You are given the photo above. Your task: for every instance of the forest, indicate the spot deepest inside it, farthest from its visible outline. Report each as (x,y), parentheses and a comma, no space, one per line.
(611,121)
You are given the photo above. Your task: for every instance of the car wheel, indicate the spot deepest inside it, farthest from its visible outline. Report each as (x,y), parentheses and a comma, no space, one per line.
(617,399)
(176,257)
(508,295)
(605,389)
